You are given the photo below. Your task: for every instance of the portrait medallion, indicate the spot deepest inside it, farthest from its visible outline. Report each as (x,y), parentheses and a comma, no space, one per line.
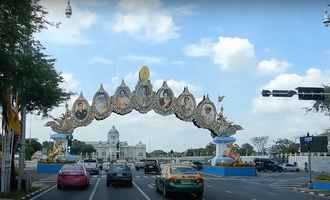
(121,101)
(185,106)
(205,115)
(164,100)
(82,112)
(101,104)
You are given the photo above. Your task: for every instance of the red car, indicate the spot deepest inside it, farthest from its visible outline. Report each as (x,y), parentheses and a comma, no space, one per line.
(72,176)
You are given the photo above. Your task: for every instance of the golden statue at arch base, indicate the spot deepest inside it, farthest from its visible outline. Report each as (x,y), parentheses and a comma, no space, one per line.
(144,99)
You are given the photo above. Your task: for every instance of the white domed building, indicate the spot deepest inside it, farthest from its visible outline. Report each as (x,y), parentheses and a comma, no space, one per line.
(113,149)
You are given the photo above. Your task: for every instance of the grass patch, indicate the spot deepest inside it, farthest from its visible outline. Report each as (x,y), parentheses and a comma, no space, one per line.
(17,194)
(323,177)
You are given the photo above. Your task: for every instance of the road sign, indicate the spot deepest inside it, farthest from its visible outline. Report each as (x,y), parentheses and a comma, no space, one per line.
(314,144)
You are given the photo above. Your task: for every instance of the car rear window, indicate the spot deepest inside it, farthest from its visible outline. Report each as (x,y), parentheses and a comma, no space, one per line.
(117,168)
(72,167)
(183,170)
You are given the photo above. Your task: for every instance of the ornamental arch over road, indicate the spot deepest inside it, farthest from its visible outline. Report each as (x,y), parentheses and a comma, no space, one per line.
(143,98)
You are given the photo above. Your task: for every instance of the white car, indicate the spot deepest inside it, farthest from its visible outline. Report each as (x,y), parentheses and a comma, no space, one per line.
(290,168)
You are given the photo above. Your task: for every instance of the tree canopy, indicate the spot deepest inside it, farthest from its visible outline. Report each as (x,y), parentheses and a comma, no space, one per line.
(79,147)
(32,146)
(260,143)
(25,70)
(284,146)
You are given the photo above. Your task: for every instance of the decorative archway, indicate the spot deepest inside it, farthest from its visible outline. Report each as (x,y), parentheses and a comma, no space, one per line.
(144,99)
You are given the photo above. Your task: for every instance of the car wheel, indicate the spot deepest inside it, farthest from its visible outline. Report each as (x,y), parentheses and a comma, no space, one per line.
(108,183)
(297,170)
(130,184)
(199,196)
(59,187)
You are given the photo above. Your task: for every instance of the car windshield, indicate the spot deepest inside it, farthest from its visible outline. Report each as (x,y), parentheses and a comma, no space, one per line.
(119,168)
(183,170)
(72,168)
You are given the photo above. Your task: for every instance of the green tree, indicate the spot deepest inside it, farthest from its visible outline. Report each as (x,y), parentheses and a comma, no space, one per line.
(79,147)
(284,146)
(322,106)
(260,143)
(26,72)
(246,149)
(32,146)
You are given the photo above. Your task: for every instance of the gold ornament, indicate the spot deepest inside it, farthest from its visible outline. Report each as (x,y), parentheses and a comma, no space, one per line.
(144,73)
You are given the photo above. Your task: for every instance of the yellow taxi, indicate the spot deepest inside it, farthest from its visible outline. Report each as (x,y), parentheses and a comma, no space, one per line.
(180,179)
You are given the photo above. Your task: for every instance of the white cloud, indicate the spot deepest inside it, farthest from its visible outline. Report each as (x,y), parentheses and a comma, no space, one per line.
(70,31)
(100,60)
(272,65)
(143,59)
(204,48)
(146,19)
(230,53)
(70,84)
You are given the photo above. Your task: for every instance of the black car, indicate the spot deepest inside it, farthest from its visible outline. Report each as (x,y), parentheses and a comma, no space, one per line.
(264,164)
(119,173)
(151,167)
(197,165)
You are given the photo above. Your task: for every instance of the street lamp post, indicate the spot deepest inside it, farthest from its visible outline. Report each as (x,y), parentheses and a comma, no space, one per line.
(326,18)
(68,10)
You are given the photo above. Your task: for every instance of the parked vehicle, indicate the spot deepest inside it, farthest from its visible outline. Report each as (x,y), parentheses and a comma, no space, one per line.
(151,167)
(290,168)
(106,166)
(119,173)
(264,164)
(139,165)
(197,165)
(180,179)
(73,175)
(91,166)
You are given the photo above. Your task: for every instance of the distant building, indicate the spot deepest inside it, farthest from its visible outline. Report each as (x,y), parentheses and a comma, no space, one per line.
(114,149)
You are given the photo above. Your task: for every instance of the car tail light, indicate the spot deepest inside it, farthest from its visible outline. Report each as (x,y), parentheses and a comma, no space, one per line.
(199,178)
(172,178)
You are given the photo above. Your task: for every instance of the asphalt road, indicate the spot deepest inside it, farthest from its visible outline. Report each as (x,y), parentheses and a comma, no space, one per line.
(267,186)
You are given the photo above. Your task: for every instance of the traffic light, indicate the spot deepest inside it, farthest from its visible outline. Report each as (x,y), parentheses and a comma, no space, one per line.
(283,93)
(278,93)
(311,93)
(266,93)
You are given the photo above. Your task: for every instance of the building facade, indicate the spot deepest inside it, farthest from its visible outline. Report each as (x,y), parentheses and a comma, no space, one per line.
(113,149)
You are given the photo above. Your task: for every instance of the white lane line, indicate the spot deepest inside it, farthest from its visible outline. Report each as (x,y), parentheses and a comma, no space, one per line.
(44,192)
(150,186)
(228,191)
(141,191)
(94,189)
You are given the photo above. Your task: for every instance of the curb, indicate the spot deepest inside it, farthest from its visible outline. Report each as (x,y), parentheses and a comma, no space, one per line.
(32,194)
(312,192)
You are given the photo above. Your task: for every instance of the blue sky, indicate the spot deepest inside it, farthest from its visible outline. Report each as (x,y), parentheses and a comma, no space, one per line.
(215,47)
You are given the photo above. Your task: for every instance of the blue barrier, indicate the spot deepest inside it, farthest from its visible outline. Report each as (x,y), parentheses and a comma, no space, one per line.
(49,168)
(321,185)
(229,171)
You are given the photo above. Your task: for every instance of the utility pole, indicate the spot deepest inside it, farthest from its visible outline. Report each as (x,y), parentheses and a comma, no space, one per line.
(22,149)
(308,140)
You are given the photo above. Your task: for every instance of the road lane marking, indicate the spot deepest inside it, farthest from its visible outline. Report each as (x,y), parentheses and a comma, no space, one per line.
(141,191)
(94,189)
(44,192)
(150,186)
(228,191)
